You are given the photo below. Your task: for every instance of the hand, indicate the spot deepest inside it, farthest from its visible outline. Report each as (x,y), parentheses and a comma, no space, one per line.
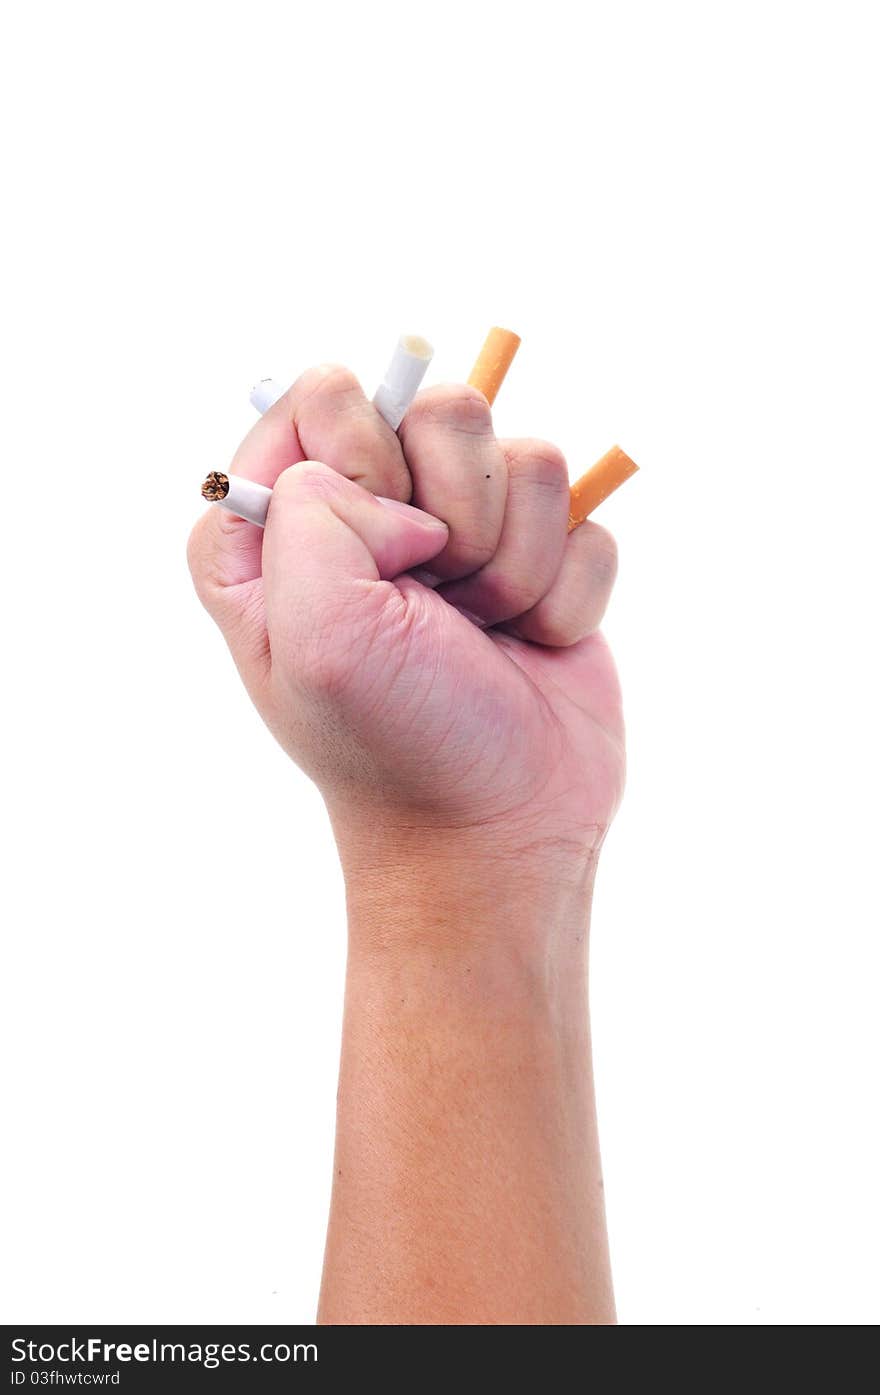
(484,705)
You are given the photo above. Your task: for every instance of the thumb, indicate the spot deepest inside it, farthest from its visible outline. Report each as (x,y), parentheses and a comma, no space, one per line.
(326,539)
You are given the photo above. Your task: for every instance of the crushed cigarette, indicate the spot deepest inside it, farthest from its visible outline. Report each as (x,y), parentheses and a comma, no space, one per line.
(408,366)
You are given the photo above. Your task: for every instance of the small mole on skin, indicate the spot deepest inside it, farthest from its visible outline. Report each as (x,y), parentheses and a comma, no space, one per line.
(488,477)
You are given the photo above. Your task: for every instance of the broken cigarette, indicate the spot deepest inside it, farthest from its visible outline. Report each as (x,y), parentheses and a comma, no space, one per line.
(240,496)
(496,356)
(403,378)
(602,479)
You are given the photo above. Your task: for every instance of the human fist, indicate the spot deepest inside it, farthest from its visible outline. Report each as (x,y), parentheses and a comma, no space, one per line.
(430,667)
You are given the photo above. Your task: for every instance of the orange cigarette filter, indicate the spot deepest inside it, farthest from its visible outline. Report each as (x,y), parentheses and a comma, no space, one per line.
(602,479)
(496,356)
(608,474)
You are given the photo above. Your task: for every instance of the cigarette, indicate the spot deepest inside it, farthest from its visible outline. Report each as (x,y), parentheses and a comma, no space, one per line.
(240,496)
(602,479)
(496,356)
(251,501)
(265,394)
(403,378)
(405,372)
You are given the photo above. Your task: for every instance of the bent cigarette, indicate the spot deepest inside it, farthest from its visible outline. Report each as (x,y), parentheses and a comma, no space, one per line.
(602,479)
(265,394)
(240,496)
(495,357)
(403,377)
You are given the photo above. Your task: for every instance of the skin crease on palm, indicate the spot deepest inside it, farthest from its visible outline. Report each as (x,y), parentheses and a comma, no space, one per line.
(483,700)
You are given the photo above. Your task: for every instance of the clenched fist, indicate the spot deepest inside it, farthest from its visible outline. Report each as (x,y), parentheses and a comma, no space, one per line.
(428,656)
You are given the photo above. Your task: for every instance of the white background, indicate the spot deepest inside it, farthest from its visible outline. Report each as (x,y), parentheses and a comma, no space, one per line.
(673,204)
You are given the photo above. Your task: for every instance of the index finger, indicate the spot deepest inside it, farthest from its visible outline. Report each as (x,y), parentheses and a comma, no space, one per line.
(324,416)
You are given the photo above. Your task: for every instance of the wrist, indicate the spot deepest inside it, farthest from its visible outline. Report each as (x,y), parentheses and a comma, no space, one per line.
(457,956)
(466,892)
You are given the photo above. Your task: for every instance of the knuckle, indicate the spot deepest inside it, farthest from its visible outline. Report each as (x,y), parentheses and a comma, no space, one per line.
(324,383)
(603,556)
(558,629)
(363,456)
(469,552)
(539,462)
(391,480)
(333,419)
(399,485)
(454,406)
(506,595)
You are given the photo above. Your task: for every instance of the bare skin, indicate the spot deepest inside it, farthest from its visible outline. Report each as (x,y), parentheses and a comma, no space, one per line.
(464,726)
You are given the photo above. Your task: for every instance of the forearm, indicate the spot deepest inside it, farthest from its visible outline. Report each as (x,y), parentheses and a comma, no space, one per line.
(467,1184)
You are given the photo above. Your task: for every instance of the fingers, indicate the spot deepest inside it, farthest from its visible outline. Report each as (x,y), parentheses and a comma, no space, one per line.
(328,542)
(532,542)
(505,556)
(541,582)
(224,551)
(574,605)
(337,424)
(459,474)
(324,416)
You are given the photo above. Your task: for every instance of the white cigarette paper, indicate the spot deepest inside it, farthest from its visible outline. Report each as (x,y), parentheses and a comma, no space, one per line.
(403,378)
(265,394)
(249,500)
